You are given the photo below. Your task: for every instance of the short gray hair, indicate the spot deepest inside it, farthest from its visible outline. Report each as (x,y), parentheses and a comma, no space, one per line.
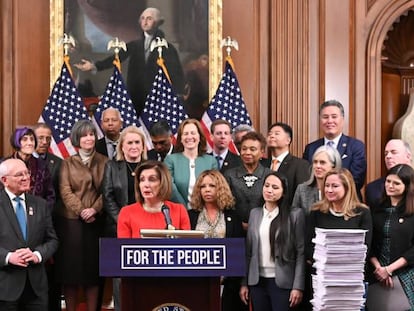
(112,109)
(333,156)
(156,13)
(242,128)
(80,129)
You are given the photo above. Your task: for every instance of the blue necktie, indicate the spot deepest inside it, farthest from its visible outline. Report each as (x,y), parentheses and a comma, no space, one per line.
(21,215)
(218,158)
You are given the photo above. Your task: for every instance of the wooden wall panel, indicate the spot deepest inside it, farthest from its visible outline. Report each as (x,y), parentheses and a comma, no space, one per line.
(25,66)
(290,97)
(249,25)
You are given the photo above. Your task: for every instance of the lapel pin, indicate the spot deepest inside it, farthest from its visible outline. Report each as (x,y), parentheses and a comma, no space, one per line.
(344,145)
(228,218)
(401,220)
(225,164)
(31,211)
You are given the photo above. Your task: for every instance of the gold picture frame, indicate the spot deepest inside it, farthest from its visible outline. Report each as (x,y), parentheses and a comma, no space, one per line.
(215,36)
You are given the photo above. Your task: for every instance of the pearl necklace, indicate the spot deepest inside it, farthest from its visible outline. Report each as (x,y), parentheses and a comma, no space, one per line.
(337,214)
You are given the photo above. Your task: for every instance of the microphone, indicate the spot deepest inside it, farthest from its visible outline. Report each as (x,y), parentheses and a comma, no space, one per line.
(166,211)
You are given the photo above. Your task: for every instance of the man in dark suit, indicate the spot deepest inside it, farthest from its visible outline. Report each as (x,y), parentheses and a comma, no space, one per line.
(396,152)
(221,136)
(296,170)
(44,137)
(161,137)
(142,66)
(27,241)
(352,150)
(111,124)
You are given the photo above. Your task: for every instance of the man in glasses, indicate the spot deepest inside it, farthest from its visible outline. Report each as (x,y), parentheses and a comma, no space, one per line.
(161,137)
(27,241)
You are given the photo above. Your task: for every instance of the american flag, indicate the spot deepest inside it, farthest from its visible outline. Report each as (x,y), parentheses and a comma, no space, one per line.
(162,104)
(63,109)
(227,104)
(116,96)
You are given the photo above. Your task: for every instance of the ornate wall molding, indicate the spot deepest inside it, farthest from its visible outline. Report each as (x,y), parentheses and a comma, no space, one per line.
(380,18)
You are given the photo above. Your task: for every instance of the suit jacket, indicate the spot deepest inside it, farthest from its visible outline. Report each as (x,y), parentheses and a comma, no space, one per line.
(141,72)
(288,275)
(234,227)
(179,167)
(352,153)
(247,197)
(153,155)
(100,147)
(54,163)
(374,192)
(296,171)
(305,196)
(401,234)
(115,192)
(231,160)
(41,237)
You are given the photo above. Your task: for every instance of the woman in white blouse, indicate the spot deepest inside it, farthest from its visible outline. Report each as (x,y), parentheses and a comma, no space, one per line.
(274,250)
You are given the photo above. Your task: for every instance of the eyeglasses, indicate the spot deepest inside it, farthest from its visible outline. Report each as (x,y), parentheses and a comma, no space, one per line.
(20,175)
(47,139)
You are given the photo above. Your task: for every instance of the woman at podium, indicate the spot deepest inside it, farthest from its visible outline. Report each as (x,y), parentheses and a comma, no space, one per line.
(274,250)
(152,209)
(213,212)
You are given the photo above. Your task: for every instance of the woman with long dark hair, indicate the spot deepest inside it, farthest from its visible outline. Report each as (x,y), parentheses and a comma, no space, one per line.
(392,255)
(274,250)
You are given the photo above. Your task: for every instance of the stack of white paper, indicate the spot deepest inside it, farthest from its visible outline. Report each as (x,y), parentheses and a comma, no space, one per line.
(339,262)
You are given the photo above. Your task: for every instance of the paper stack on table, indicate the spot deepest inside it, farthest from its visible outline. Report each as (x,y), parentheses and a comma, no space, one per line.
(339,259)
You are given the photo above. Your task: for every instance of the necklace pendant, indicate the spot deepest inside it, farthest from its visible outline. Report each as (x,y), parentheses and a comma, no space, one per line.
(133,173)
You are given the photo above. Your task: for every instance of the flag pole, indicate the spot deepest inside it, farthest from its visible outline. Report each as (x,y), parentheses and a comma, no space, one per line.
(117,45)
(67,41)
(158,43)
(230,43)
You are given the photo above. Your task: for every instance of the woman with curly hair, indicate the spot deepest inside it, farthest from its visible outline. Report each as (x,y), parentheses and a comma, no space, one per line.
(212,212)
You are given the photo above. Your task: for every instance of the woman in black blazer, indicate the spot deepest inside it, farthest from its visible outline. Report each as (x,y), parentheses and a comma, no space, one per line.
(392,253)
(118,183)
(212,212)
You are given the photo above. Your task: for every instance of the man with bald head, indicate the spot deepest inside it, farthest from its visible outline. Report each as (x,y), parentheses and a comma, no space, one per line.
(111,124)
(142,66)
(396,152)
(27,241)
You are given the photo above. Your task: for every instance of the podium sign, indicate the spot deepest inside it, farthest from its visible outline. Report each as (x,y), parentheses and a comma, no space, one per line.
(171,274)
(172,257)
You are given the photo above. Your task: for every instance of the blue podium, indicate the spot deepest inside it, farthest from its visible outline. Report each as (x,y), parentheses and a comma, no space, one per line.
(171,274)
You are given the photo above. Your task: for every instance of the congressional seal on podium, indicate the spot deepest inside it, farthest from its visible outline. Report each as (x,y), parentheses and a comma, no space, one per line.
(171,306)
